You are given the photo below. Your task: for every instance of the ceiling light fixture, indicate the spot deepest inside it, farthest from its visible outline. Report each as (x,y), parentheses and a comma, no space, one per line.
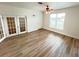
(47,9)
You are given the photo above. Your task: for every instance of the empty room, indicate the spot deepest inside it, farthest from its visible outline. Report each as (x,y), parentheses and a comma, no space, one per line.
(39,29)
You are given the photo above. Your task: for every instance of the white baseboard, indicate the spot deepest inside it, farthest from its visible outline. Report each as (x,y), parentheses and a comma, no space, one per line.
(62,33)
(2,39)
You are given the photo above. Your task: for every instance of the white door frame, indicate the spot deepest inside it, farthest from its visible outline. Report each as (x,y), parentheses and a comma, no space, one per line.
(3,29)
(9,35)
(19,24)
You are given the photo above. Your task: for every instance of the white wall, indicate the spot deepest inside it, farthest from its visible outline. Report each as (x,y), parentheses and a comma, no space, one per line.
(33,22)
(71,25)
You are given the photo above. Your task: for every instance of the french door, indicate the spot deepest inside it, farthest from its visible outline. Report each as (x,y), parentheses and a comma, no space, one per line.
(16,25)
(11,25)
(2,33)
(22,26)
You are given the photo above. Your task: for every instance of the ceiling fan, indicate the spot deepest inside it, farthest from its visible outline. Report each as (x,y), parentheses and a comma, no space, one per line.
(47,8)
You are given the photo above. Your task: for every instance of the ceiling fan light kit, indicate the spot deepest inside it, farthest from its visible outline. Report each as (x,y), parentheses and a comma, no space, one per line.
(47,12)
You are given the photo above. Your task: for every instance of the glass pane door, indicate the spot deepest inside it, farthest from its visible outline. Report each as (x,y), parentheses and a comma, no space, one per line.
(11,25)
(22,24)
(1,29)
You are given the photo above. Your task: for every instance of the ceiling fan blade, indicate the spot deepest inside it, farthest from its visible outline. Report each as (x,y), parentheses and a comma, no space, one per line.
(51,9)
(43,3)
(40,2)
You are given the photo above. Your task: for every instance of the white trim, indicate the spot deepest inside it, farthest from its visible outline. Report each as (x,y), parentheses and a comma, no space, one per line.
(2,39)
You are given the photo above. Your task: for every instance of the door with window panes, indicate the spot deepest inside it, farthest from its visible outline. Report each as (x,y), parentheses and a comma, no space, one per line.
(11,25)
(2,34)
(22,24)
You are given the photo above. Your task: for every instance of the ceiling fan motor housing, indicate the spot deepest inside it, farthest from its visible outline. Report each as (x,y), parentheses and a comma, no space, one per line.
(47,9)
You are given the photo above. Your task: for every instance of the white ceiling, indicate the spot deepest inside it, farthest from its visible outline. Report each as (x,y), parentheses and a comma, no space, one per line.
(36,6)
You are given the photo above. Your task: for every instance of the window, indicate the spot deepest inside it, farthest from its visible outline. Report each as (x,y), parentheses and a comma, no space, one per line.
(57,21)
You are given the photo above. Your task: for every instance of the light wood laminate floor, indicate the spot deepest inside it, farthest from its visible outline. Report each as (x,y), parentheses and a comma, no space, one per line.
(40,43)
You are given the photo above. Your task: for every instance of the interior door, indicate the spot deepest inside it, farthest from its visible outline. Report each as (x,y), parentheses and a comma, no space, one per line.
(22,24)
(2,33)
(11,24)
